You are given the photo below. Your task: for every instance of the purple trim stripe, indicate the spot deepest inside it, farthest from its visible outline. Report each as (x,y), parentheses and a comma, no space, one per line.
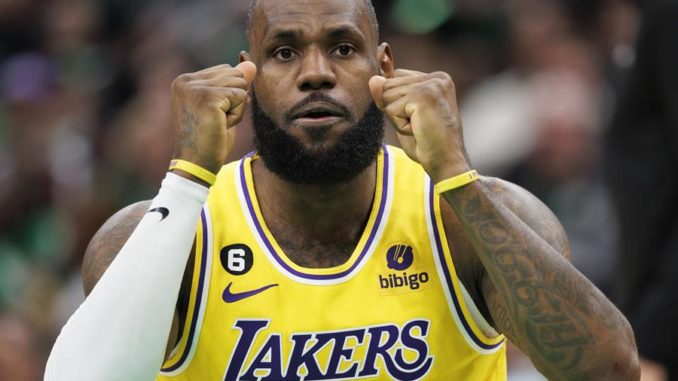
(198,297)
(448,280)
(276,255)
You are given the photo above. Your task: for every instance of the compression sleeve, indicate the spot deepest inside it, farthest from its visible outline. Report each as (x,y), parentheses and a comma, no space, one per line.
(120,331)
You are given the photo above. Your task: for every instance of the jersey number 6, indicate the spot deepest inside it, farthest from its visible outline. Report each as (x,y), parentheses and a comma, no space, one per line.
(237,259)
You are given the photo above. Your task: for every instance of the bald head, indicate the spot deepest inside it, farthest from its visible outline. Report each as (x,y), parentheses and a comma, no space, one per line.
(366,5)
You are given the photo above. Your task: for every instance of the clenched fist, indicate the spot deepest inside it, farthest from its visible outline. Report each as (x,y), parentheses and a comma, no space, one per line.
(423,109)
(205,105)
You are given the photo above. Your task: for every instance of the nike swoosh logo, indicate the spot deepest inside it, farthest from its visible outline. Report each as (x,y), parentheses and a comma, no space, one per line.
(232,297)
(162,210)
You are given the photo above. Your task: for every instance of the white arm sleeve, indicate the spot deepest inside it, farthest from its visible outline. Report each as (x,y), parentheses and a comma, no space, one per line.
(120,331)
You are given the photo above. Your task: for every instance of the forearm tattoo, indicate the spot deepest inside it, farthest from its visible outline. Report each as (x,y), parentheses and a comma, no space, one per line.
(543,304)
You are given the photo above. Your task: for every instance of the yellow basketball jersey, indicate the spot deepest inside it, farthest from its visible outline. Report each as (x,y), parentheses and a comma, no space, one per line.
(394,311)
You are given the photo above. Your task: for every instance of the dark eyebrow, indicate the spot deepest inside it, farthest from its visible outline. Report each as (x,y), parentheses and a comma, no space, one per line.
(343,31)
(334,33)
(285,34)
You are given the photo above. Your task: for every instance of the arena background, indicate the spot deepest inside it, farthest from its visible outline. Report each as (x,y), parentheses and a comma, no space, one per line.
(85,125)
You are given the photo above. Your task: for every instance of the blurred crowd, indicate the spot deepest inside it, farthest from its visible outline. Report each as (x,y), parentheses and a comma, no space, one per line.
(85,121)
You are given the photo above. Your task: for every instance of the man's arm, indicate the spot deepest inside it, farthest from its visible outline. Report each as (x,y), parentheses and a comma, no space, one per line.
(120,332)
(105,246)
(566,326)
(107,242)
(533,295)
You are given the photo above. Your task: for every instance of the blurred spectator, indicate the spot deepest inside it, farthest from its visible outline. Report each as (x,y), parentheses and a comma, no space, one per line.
(642,164)
(18,351)
(538,123)
(539,33)
(562,169)
(543,128)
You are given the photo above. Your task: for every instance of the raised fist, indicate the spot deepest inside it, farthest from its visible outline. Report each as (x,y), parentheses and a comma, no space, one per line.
(205,105)
(422,107)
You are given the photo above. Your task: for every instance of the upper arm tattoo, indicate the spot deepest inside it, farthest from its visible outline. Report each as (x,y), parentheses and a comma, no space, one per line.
(534,213)
(470,269)
(533,296)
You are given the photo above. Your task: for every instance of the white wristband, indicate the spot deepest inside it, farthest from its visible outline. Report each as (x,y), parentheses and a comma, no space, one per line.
(120,331)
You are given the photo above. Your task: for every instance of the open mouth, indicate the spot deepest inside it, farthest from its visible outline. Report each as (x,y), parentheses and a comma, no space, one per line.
(318,113)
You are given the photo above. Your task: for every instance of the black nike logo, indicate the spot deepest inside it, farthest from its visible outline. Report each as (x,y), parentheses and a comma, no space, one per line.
(232,297)
(162,210)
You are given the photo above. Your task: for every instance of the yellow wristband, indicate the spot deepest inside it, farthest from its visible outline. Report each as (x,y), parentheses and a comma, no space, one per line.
(194,170)
(456,181)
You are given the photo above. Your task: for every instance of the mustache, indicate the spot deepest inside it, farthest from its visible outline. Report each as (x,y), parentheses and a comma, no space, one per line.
(318,97)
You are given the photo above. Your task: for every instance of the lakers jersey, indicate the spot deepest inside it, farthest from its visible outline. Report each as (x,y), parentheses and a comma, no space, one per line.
(394,311)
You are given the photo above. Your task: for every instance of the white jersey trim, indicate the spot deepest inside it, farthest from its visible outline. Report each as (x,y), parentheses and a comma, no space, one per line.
(458,316)
(379,230)
(208,239)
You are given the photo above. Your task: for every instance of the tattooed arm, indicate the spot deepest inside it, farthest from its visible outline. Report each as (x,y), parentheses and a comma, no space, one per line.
(532,293)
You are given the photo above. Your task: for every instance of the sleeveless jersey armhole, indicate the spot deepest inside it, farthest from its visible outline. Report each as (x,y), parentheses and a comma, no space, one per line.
(477,332)
(183,352)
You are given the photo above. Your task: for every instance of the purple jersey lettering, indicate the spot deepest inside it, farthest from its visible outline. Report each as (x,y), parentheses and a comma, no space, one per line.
(388,341)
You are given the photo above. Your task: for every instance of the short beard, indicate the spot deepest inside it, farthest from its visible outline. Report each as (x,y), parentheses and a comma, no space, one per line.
(284,155)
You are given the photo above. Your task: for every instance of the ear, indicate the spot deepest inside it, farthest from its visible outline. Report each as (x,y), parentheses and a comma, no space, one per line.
(385,58)
(244,56)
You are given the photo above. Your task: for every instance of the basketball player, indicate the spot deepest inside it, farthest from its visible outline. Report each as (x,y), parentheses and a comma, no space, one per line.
(326,255)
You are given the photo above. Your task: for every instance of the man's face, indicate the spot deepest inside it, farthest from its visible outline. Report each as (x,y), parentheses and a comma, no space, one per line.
(314,60)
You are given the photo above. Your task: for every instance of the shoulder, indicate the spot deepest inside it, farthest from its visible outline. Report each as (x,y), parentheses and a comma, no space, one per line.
(108,241)
(105,246)
(532,212)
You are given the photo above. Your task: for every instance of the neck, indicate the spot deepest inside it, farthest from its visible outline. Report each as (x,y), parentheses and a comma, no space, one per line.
(335,213)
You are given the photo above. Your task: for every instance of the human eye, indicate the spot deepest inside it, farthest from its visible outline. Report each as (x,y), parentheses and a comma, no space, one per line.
(344,50)
(284,53)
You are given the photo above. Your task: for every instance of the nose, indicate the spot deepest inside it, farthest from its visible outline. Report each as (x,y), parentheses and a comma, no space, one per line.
(316,72)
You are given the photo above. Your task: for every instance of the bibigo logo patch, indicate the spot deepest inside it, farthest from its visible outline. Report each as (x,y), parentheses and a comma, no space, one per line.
(399,258)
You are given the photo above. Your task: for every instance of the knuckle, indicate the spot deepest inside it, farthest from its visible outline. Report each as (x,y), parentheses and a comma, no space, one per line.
(442,75)
(184,83)
(446,81)
(389,108)
(436,86)
(241,93)
(180,81)
(219,104)
(441,84)
(237,73)
(236,95)
(202,96)
(428,91)
(239,83)
(392,109)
